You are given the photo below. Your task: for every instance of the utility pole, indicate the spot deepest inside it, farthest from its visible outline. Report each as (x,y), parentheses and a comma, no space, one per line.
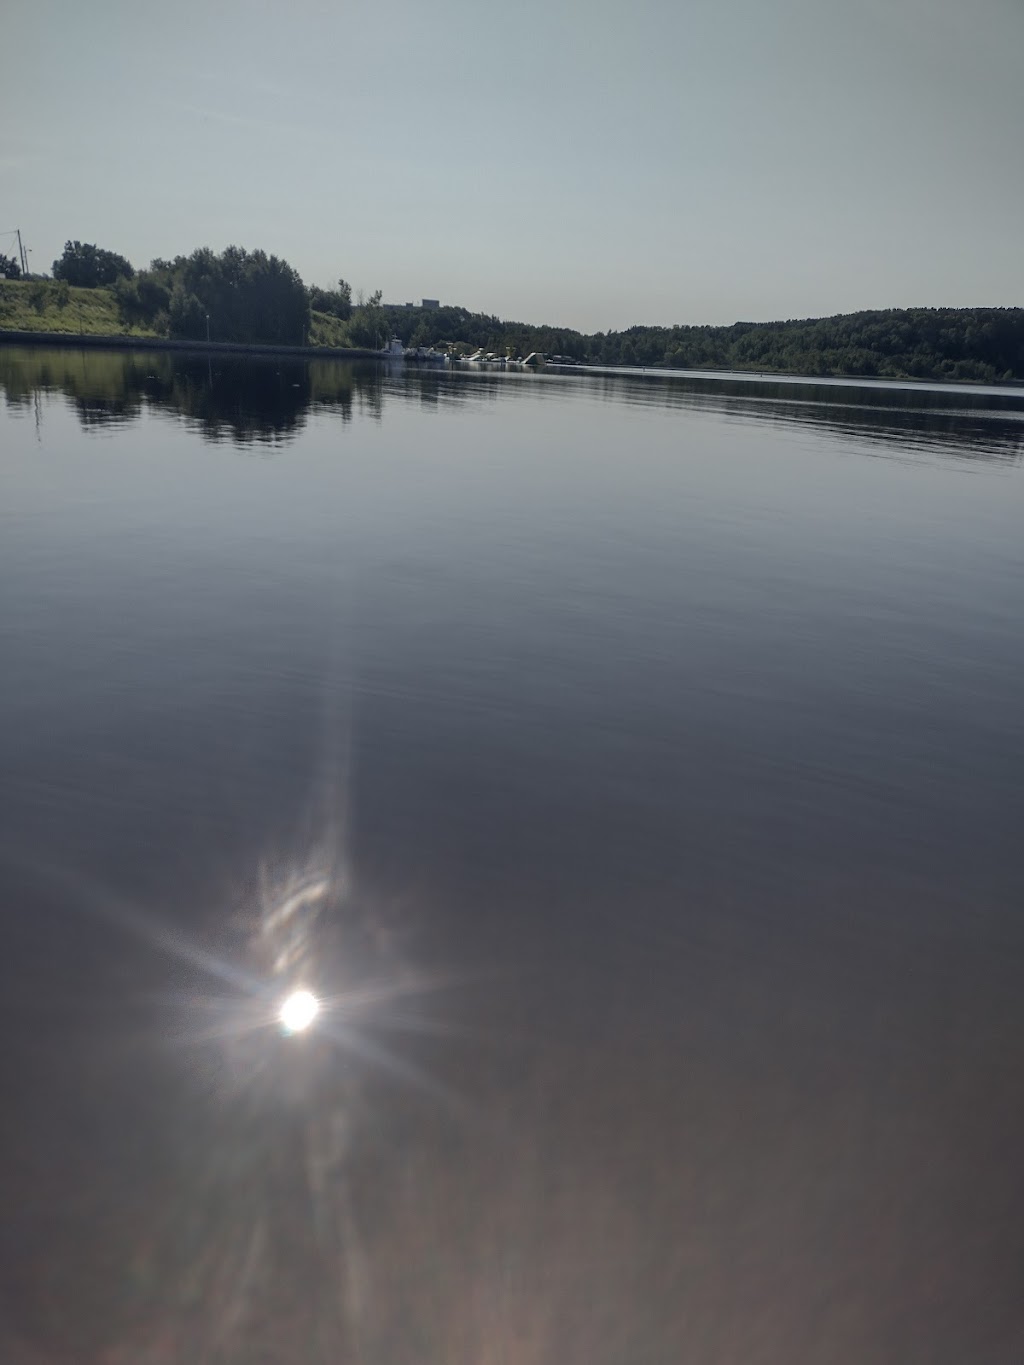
(21,253)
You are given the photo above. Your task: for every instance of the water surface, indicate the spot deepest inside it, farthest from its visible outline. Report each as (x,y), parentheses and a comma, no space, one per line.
(632,764)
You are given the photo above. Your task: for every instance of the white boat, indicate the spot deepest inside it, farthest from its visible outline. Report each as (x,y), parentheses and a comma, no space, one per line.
(394,350)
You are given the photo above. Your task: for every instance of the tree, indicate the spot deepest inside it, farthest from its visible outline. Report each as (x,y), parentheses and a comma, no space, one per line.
(247,295)
(186,315)
(370,326)
(336,302)
(142,299)
(9,268)
(87,265)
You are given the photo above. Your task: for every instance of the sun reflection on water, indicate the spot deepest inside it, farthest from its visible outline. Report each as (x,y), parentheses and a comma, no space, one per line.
(298,1011)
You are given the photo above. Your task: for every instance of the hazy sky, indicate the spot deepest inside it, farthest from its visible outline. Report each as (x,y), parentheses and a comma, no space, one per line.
(590,164)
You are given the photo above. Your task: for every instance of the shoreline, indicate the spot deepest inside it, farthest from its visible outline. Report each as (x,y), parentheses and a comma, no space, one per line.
(857,381)
(116,342)
(121,342)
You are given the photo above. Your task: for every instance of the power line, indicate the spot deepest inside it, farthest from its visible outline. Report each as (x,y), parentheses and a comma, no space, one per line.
(22,253)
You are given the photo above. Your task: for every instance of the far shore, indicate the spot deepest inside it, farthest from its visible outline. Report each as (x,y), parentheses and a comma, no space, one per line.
(115,342)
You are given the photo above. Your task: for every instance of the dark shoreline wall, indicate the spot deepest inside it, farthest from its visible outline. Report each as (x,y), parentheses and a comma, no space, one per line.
(137,343)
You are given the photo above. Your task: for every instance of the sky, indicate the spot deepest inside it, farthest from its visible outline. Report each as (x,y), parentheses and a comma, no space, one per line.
(585,164)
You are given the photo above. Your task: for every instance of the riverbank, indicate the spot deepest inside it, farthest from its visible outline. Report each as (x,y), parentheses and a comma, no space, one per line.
(121,341)
(47,312)
(51,307)
(147,342)
(925,345)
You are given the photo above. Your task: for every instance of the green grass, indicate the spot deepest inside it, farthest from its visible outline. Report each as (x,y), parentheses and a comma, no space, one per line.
(327,330)
(34,306)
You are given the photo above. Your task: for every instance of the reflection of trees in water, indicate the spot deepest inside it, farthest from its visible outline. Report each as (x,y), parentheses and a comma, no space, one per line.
(244,402)
(246,399)
(95,382)
(242,399)
(985,425)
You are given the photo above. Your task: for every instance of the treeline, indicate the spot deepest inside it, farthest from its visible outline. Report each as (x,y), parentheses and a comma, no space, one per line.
(249,296)
(919,343)
(983,344)
(922,343)
(465,331)
(238,295)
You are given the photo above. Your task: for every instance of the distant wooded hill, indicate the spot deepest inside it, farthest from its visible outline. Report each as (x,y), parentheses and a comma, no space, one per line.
(252,297)
(919,343)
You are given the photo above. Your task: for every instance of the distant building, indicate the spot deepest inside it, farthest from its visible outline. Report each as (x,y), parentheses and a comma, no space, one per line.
(431,303)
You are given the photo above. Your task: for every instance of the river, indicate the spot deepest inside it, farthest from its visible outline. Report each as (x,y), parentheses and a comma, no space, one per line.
(631,766)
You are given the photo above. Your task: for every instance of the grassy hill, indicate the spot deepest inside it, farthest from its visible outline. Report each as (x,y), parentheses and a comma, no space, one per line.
(46,306)
(326,330)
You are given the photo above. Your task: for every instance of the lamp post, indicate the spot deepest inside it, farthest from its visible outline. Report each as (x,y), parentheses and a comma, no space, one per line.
(207,329)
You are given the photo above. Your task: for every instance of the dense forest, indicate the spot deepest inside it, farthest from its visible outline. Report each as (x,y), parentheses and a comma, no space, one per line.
(920,343)
(249,296)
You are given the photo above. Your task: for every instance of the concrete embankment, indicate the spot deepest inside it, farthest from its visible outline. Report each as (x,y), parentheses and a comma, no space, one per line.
(137,343)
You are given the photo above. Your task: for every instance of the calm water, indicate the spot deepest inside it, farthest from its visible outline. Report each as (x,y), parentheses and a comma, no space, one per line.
(632,765)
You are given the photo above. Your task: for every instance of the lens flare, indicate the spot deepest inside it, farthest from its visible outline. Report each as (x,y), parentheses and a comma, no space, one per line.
(298,1011)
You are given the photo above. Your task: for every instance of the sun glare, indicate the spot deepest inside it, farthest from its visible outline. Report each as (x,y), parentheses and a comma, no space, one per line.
(298,1011)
